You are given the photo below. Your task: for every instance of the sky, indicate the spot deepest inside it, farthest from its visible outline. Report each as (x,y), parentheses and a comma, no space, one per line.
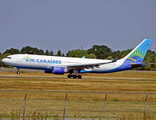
(74,24)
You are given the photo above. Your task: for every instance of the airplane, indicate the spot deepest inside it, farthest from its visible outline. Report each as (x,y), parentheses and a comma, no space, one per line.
(61,65)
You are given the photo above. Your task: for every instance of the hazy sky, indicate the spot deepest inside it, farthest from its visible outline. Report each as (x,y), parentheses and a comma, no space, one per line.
(71,24)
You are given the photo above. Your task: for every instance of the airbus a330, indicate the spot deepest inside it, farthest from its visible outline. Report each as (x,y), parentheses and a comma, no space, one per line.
(61,65)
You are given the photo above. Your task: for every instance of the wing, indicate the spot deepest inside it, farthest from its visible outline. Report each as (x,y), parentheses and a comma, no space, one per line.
(87,66)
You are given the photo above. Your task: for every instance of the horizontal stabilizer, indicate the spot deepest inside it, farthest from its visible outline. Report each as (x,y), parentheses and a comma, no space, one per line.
(137,64)
(133,65)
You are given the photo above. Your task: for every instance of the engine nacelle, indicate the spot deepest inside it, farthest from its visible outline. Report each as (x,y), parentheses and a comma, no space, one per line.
(48,71)
(58,70)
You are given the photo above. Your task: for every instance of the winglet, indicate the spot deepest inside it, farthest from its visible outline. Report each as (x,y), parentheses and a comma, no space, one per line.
(115,60)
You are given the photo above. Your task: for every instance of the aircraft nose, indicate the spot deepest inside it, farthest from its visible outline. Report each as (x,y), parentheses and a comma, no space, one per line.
(4,60)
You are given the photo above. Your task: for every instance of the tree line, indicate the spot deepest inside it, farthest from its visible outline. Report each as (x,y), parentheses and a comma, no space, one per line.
(96,52)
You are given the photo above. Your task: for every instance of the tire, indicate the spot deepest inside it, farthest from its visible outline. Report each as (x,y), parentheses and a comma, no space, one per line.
(69,76)
(74,76)
(18,72)
(79,76)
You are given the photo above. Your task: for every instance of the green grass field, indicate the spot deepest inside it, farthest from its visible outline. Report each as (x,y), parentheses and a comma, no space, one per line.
(39,83)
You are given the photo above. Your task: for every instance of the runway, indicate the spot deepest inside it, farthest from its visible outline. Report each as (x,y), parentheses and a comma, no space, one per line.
(86,78)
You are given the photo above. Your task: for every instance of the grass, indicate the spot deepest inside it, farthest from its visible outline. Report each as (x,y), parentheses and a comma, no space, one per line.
(115,82)
(78,104)
(76,109)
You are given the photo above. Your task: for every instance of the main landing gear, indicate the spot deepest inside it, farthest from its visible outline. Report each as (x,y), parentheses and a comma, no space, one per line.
(74,76)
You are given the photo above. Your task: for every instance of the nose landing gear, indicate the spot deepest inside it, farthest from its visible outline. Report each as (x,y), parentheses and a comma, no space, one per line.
(18,72)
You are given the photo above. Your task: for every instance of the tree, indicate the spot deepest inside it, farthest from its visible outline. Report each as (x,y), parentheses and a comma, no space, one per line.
(110,58)
(59,53)
(101,52)
(78,53)
(125,52)
(35,51)
(1,57)
(41,52)
(27,49)
(149,59)
(47,52)
(51,53)
(67,54)
(63,55)
(90,56)
(11,51)
(31,50)
(116,54)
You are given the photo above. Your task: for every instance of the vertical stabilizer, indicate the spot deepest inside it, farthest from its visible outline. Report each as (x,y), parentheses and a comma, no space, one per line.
(139,52)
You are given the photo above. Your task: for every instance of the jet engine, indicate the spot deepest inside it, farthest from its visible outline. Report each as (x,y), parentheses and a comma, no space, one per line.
(56,70)
(47,71)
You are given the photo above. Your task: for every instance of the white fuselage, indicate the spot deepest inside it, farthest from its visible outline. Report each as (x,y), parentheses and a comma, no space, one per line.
(47,62)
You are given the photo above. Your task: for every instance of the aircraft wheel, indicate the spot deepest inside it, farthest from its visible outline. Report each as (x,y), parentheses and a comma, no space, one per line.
(69,76)
(74,76)
(79,76)
(18,72)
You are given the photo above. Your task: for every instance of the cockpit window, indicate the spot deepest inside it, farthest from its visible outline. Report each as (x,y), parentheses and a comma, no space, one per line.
(9,57)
